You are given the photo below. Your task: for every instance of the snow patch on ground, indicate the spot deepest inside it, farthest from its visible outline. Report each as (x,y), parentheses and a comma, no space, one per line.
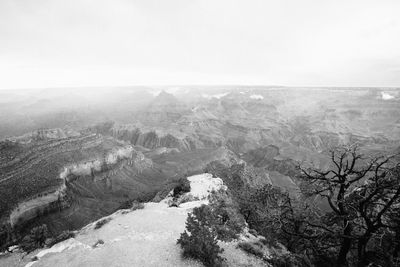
(258,97)
(386,96)
(203,184)
(218,96)
(58,248)
(154,92)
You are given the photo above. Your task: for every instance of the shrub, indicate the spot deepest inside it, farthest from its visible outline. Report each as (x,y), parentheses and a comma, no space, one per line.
(137,206)
(175,202)
(182,187)
(188,198)
(35,239)
(226,219)
(291,260)
(270,242)
(199,241)
(98,242)
(125,205)
(132,205)
(61,237)
(253,232)
(177,186)
(102,222)
(252,248)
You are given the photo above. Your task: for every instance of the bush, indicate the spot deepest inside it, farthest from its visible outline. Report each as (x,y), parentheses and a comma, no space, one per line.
(253,232)
(102,222)
(36,238)
(132,205)
(98,242)
(226,219)
(175,202)
(137,206)
(270,242)
(290,260)
(61,237)
(182,187)
(125,205)
(199,240)
(252,248)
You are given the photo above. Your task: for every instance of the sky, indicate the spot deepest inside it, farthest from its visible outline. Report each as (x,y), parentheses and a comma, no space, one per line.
(54,43)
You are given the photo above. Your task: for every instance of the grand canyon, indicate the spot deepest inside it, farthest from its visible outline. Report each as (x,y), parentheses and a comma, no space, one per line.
(73,156)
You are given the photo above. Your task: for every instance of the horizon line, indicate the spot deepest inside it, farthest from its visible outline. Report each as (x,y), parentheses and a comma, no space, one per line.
(199,85)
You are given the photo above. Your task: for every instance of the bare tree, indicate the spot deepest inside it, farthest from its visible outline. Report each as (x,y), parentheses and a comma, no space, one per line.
(360,192)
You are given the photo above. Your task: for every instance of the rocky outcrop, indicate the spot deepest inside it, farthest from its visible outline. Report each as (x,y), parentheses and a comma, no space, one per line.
(44,134)
(42,204)
(142,237)
(105,162)
(153,138)
(33,175)
(46,202)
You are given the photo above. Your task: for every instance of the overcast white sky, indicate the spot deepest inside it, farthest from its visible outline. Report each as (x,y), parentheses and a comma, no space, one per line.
(51,43)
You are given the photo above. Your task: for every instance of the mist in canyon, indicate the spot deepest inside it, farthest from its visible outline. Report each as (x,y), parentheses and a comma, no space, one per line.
(191,133)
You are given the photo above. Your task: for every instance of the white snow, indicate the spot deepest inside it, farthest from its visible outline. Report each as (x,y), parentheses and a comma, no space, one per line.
(218,96)
(386,96)
(154,92)
(12,248)
(256,97)
(173,90)
(201,185)
(57,248)
(124,152)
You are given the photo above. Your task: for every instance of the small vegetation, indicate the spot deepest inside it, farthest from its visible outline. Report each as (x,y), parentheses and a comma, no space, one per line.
(358,226)
(177,186)
(178,193)
(125,205)
(289,260)
(226,219)
(208,224)
(199,241)
(137,206)
(35,239)
(132,205)
(252,248)
(98,242)
(182,187)
(101,223)
(61,237)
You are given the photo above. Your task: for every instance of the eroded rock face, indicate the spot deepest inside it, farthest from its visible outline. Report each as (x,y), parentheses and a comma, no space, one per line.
(35,167)
(102,162)
(44,134)
(34,175)
(152,138)
(271,129)
(73,181)
(35,207)
(56,199)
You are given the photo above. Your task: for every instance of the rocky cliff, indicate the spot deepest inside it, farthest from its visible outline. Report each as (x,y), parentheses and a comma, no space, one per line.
(143,237)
